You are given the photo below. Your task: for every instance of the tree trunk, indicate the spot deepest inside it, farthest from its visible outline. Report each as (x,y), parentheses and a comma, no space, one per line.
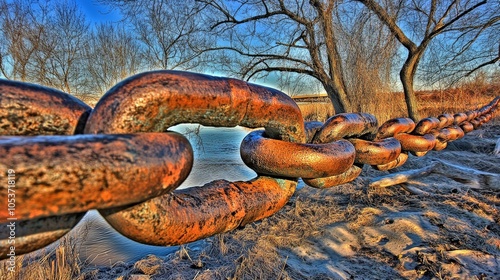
(407,76)
(334,84)
(338,97)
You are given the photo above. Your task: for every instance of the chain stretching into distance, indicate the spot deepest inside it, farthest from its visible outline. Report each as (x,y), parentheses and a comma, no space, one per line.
(121,159)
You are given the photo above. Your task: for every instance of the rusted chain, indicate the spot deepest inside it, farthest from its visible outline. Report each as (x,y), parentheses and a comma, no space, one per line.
(86,172)
(383,153)
(27,109)
(335,180)
(346,126)
(293,160)
(128,165)
(376,152)
(199,212)
(154,101)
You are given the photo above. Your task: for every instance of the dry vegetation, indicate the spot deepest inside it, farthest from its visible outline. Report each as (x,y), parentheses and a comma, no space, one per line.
(447,230)
(59,262)
(432,103)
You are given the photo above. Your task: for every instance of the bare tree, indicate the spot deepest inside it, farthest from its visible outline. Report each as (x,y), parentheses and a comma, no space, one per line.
(283,36)
(112,54)
(168,30)
(20,34)
(303,37)
(44,41)
(420,24)
(63,48)
(368,50)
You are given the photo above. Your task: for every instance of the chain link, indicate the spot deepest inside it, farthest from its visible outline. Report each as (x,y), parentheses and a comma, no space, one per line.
(128,165)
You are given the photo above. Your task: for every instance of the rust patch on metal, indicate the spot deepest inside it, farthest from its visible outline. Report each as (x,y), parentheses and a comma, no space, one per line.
(476,123)
(70,174)
(460,118)
(347,125)
(376,152)
(199,212)
(440,145)
(27,109)
(490,106)
(336,180)
(467,127)
(472,115)
(416,143)
(155,101)
(445,120)
(311,129)
(279,158)
(425,125)
(450,134)
(393,127)
(402,158)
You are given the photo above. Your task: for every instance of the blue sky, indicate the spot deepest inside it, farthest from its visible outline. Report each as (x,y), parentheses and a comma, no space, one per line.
(96,12)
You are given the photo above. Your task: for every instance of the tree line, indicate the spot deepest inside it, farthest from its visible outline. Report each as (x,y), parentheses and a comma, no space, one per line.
(351,49)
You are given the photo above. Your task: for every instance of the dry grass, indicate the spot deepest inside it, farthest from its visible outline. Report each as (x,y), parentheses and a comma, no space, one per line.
(431,103)
(268,249)
(296,243)
(467,97)
(317,111)
(321,233)
(60,262)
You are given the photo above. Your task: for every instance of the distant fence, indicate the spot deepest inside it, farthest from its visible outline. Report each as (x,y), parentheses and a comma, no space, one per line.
(311,98)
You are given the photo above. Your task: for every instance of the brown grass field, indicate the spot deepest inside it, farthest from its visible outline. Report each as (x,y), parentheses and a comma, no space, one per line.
(431,103)
(435,227)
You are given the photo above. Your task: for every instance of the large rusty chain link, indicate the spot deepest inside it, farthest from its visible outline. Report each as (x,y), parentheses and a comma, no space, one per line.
(121,159)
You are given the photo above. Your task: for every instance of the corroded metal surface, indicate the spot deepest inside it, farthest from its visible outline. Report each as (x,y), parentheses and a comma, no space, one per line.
(311,129)
(460,118)
(199,212)
(345,126)
(61,174)
(335,180)
(450,134)
(416,143)
(280,158)
(376,152)
(446,120)
(27,109)
(471,115)
(395,126)
(466,127)
(130,169)
(155,101)
(400,160)
(490,106)
(425,126)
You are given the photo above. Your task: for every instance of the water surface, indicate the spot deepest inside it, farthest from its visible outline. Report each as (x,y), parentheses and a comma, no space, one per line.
(216,156)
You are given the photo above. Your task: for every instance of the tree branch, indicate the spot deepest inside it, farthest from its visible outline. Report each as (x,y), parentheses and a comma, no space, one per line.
(390,23)
(284,69)
(493,61)
(442,28)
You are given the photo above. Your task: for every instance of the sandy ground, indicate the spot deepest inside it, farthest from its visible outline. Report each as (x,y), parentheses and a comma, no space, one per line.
(434,227)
